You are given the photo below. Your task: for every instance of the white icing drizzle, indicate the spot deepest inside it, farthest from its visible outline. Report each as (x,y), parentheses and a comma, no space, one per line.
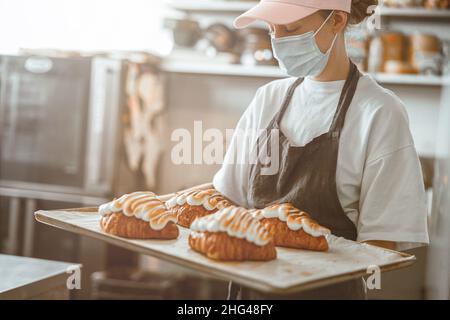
(143,205)
(236,222)
(294,218)
(210,199)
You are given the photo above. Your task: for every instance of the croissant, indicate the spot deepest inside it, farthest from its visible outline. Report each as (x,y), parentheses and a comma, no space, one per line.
(195,204)
(231,234)
(139,215)
(292,228)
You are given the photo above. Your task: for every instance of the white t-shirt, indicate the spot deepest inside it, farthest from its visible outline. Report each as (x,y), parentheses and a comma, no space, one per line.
(378,175)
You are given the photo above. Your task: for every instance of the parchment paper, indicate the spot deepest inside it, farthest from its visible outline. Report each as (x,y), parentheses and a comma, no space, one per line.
(292,271)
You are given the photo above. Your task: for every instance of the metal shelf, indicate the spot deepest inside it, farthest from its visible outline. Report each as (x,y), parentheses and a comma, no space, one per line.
(275,72)
(222,69)
(409,79)
(416,12)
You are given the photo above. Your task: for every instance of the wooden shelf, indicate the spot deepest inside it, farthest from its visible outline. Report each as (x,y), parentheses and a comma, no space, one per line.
(409,79)
(275,72)
(415,12)
(223,69)
(240,6)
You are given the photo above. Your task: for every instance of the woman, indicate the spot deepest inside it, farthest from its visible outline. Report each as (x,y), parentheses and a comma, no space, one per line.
(346,152)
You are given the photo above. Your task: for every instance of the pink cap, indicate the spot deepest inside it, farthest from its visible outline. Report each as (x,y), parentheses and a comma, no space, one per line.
(288,11)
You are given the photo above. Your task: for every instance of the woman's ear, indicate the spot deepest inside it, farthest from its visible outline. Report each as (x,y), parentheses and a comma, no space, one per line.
(339,21)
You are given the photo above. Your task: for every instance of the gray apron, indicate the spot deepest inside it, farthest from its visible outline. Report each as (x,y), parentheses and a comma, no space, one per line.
(306,178)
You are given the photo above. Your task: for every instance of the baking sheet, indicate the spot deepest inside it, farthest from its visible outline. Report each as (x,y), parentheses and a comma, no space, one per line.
(292,271)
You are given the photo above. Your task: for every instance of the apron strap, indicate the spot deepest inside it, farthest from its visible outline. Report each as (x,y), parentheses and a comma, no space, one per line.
(262,138)
(287,100)
(348,91)
(275,122)
(234,291)
(345,100)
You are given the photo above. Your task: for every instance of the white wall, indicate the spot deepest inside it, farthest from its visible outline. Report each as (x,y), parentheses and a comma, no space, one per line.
(423,104)
(422,101)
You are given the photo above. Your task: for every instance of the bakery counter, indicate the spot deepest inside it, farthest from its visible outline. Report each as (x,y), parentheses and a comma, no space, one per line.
(29,278)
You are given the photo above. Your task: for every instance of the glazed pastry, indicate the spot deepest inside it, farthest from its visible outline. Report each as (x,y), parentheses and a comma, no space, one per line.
(195,204)
(292,228)
(138,215)
(231,234)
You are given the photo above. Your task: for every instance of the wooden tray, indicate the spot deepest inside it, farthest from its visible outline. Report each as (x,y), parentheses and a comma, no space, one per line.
(292,271)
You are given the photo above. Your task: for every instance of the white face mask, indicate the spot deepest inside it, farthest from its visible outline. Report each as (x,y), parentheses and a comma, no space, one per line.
(299,56)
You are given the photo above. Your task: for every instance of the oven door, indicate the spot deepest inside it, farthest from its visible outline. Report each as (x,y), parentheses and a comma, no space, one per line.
(43,119)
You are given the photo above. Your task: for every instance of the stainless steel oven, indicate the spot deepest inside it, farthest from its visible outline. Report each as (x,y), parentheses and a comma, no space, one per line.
(59,121)
(61,127)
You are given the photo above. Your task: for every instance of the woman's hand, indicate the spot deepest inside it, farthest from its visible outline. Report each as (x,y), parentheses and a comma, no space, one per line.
(381,243)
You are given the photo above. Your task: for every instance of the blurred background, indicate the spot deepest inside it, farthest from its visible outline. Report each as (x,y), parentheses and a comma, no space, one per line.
(90,92)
